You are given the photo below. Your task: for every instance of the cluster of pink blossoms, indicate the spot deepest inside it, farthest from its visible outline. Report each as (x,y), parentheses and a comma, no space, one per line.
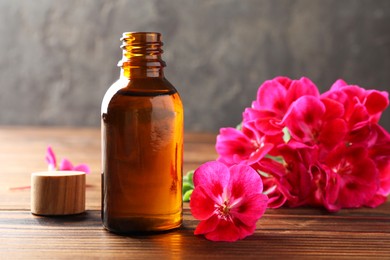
(314,149)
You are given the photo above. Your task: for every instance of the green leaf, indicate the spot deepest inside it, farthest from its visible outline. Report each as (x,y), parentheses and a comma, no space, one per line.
(187,196)
(190,177)
(187,186)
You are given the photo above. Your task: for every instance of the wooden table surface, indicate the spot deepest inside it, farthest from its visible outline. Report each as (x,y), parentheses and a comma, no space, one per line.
(294,233)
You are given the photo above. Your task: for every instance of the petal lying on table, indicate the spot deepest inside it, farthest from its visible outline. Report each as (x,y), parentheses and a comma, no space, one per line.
(65,164)
(51,159)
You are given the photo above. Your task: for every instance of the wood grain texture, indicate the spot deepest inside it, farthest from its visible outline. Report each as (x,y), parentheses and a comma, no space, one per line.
(57,193)
(307,233)
(294,233)
(22,151)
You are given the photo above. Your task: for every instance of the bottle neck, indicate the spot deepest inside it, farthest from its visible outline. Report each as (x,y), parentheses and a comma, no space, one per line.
(141,56)
(132,73)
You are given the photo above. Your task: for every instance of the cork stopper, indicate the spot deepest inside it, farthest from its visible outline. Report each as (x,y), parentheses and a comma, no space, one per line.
(56,193)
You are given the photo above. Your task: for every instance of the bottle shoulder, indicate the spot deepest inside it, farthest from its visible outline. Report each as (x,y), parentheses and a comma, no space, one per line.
(124,91)
(142,86)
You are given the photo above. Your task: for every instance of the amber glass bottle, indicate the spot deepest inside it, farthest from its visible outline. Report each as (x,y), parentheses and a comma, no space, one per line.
(142,142)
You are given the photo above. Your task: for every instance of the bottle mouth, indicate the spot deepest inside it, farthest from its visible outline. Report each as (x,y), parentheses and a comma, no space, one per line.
(140,48)
(141,37)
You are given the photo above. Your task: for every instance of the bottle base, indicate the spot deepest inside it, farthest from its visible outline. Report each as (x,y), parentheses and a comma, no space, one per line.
(140,225)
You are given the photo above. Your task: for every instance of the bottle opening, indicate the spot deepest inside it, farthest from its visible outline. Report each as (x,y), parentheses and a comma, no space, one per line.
(141,37)
(141,49)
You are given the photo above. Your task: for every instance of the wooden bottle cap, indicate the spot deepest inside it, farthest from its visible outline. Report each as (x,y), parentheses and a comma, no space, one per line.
(55,193)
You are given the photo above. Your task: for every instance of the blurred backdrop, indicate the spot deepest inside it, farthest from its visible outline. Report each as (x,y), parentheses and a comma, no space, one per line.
(57,58)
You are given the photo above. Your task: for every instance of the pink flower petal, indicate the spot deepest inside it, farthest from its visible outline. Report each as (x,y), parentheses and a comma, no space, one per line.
(51,159)
(244,230)
(271,97)
(244,180)
(358,115)
(245,186)
(376,101)
(333,132)
(376,201)
(304,118)
(276,199)
(202,205)
(331,192)
(272,167)
(251,209)
(267,122)
(333,108)
(207,225)
(233,146)
(338,84)
(83,168)
(300,88)
(213,175)
(269,125)
(251,114)
(285,81)
(66,165)
(225,231)
(260,153)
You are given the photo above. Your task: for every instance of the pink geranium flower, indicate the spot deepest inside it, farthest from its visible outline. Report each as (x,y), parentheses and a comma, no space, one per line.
(357,176)
(362,107)
(65,164)
(380,152)
(310,121)
(373,101)
(228,201)
(241,146)
(274,98)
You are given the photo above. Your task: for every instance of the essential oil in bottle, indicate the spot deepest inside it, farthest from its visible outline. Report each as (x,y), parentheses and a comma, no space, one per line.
(142,142)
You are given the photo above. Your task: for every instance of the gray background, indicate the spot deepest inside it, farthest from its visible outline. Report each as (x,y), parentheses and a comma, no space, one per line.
(57,58)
